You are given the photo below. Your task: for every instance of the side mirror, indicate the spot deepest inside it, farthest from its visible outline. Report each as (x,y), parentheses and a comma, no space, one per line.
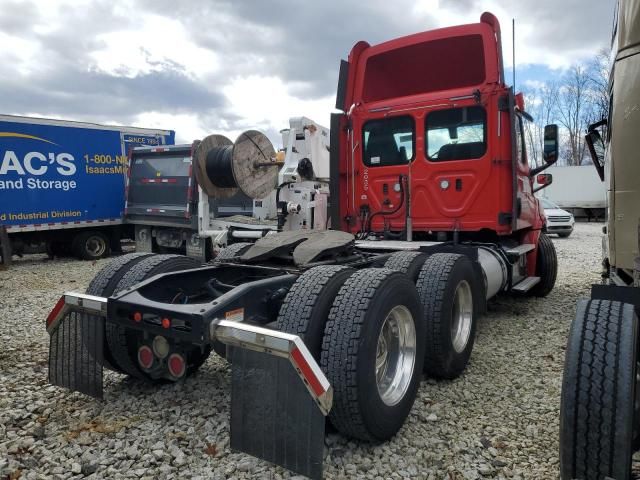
(543,180)
(596,149)
(550,152)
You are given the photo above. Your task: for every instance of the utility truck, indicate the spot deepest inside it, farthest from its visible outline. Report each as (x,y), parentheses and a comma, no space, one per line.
(600,408)
(62,183)
(182,199)
(429,196)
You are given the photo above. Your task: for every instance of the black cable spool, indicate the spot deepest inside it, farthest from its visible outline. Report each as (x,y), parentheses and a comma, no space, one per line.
(219,166)
(223,168)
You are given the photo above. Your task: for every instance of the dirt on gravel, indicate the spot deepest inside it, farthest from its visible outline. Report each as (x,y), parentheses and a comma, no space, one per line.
(499,420)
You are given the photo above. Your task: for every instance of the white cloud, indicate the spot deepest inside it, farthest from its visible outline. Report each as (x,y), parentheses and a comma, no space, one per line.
(266,103)
(155,42)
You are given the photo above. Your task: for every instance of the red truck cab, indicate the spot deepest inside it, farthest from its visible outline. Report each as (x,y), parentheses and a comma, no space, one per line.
(430,141)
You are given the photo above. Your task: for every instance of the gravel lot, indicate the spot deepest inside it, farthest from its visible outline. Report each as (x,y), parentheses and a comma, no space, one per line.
(499,420)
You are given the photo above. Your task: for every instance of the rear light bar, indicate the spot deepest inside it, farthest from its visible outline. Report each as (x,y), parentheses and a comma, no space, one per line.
(159,180)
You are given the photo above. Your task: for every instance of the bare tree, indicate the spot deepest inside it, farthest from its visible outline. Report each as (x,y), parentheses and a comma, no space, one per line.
(575,110)
(541,103)
(599,69)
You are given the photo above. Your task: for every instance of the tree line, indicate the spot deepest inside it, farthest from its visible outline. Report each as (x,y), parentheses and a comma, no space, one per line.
(579,98)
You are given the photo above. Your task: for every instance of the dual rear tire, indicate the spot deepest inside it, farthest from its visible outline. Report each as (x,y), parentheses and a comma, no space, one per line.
(373,332)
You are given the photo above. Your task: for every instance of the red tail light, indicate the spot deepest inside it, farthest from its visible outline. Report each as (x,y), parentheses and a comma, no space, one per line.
(177,365)
(166,323)
(145,357)
(137,317)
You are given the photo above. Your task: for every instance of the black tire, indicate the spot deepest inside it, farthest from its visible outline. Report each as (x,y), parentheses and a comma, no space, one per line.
(232,251)
(123,343)
(546,267)
(440,277)
(91,245)
(103,285)
(408,263)
(308,302)
(598,392)
(349,349)
(106,280)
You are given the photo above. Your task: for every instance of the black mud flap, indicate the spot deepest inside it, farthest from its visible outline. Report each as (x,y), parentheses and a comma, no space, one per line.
(273,417)
(76,353)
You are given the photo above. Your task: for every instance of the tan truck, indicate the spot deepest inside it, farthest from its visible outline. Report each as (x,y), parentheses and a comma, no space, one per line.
(600,407)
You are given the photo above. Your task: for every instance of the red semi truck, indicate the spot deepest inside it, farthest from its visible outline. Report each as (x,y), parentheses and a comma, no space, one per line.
(432,211)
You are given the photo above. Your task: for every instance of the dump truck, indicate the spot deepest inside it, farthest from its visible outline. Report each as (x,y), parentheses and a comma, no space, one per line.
(600,406)
(429,197)
(165,206)
(62,183)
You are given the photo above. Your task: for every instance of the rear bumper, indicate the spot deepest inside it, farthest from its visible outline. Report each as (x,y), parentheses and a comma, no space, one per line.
(91,310)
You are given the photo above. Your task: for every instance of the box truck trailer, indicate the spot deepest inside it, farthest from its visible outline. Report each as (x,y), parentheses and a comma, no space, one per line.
(62,183)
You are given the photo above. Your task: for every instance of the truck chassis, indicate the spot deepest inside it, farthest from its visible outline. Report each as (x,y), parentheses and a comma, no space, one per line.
(287,312)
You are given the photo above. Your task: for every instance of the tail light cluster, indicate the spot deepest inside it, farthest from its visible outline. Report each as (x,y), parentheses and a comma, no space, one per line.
(153,358)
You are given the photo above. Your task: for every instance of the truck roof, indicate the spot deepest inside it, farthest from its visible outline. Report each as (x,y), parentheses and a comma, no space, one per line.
(76,124)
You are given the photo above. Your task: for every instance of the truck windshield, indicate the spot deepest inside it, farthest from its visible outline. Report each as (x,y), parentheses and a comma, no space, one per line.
(388,141)
(456,134)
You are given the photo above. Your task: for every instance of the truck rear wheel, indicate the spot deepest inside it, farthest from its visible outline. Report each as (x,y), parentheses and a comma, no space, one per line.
(599,413)
(124,343)
(372,353)
(308,302)
(91,245)
(446,286)
(103,285)
(546,266)
(408,263)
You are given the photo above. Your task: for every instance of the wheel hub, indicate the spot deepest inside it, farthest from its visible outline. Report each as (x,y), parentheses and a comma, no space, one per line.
(95,246)
(462,316)
(395,355)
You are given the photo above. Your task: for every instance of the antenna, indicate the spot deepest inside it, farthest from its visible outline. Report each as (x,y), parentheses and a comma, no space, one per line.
(513,41)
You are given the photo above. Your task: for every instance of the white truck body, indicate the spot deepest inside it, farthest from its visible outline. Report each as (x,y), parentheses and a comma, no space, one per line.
(576,188)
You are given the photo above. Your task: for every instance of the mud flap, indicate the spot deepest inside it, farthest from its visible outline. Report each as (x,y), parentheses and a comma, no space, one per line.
(76,353)
(273,417)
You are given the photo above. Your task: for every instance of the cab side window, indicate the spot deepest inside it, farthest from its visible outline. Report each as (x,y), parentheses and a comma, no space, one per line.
(521,152)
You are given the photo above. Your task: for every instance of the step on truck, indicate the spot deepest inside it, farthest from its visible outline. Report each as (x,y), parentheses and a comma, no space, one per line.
(431,212)
(600,403)
(62,183)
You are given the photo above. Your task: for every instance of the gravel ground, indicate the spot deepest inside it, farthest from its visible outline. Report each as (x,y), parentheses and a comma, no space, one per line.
(499,420)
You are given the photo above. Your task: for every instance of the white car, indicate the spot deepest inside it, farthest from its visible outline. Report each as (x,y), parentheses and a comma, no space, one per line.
(558,221)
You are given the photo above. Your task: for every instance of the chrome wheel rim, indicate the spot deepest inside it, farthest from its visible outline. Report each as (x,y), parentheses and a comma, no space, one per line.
(95,246)
(395,355)
(462,316)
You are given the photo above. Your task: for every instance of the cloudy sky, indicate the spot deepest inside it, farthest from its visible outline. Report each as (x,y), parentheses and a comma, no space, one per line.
(218,66)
